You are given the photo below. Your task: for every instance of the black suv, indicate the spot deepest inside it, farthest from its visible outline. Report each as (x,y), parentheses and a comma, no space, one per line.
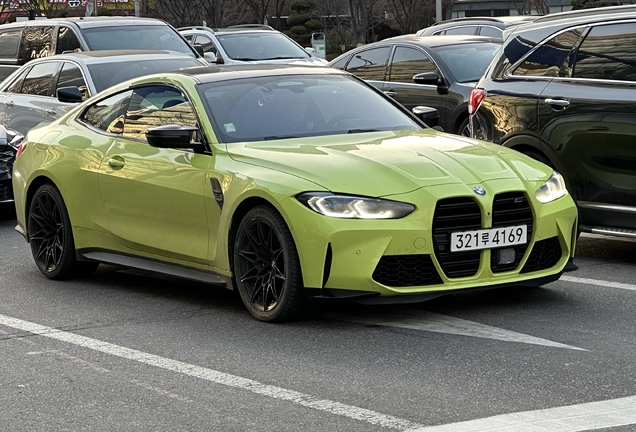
(563,90)
(27,40)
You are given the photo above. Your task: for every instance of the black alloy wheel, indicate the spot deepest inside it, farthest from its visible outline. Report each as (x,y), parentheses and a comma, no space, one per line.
(51,237)
(266,266)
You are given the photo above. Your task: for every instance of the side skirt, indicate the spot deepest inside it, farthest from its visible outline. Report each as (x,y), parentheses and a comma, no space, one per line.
(154,266)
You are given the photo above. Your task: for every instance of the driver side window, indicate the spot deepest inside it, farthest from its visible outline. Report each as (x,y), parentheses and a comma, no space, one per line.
(156,106)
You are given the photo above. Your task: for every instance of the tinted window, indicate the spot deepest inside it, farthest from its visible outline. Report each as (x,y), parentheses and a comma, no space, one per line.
(156,106)
(480,55)
(67,41)
(490,31)
(608,52)
(206,43)
(408,62)
(159,37)
(71,75)
(40,79)
(16,86)
(9,43)
(340,64)
(260,46)
(553,58)
(465,30)
(108,114)
(369,64)
(107,74)
(37,42)
(277,107)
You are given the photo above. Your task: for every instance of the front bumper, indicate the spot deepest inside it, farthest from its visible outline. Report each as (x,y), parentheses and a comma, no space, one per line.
(401,257)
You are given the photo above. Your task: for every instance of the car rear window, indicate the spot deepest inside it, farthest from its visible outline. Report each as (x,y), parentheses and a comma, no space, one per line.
(144,37)
(108,74)
(468,62)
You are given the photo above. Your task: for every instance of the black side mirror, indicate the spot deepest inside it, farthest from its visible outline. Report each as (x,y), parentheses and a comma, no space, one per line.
(428,115)
(69,94)
(428,78)
(173,136)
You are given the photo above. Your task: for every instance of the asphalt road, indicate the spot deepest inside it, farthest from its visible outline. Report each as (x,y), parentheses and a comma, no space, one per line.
(125,351)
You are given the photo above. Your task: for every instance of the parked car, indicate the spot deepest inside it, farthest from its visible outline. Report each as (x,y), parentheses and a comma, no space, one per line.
(27,40)
(484,26)
(283,183)
(46,88)
(438,72)
(249,43)
(563,90)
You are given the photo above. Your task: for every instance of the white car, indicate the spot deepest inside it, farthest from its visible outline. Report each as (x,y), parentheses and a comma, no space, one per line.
(247,44)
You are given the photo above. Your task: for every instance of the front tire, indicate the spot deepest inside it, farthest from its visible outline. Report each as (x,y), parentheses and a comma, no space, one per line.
(51,236)
(266,266)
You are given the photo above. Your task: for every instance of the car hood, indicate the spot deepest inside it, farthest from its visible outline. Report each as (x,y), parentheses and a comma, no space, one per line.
(380,163)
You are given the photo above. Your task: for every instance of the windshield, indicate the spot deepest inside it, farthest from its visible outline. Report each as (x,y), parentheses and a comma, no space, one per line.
(468,62)
(144,37)
(108,74)
(292,106)
(260,46)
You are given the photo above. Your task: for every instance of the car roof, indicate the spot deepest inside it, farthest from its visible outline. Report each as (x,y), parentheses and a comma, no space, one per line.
(435,41)
(96,57)
(87,22)
(582,16)
(502,21)
(214,73)
(241,28)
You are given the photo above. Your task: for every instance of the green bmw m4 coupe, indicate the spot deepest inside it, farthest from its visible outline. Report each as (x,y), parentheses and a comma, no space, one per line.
(285,183)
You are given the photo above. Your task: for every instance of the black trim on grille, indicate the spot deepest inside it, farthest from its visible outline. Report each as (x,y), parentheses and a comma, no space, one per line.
(451,215)
(406,270)
(510,209)
(545,254)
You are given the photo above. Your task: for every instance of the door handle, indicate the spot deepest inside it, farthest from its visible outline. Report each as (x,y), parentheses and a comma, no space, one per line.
(390,93)
(557,103)
(116,163)
(51,112)
(9,103)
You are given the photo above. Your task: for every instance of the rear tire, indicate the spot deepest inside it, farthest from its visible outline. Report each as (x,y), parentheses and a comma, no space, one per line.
(266,266)
(51,236)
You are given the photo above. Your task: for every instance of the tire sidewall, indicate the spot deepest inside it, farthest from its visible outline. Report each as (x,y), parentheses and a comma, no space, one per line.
(68,247)
(282,310)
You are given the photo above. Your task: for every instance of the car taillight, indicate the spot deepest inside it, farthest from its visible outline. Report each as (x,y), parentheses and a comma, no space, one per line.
(20,148)
(476,96)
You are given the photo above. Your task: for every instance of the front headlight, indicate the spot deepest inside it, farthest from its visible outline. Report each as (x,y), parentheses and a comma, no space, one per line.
(552,189)
(353,207)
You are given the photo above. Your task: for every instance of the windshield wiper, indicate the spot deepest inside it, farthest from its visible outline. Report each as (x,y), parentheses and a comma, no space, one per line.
(282,58)
(351,131)
(245,59)
(278,137)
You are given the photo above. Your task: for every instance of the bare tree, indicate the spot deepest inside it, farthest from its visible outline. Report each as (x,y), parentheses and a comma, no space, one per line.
(410,15)
(179,12)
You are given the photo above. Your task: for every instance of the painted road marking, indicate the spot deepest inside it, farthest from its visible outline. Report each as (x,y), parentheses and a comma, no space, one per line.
(597,282)
(428,321)
(573,418)
(214,376)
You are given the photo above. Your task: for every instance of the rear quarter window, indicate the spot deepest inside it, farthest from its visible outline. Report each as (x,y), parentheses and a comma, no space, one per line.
(9,41)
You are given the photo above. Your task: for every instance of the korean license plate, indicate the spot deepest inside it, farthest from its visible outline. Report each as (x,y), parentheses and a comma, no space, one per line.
(489,238)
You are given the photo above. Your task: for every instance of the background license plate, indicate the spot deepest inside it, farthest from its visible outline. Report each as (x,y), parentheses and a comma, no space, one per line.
(489,238)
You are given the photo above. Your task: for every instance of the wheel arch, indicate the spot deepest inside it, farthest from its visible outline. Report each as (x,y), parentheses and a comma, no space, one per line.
(528,144)
(35,184)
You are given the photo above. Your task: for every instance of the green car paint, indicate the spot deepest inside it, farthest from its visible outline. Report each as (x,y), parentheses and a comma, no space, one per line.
(127,197)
